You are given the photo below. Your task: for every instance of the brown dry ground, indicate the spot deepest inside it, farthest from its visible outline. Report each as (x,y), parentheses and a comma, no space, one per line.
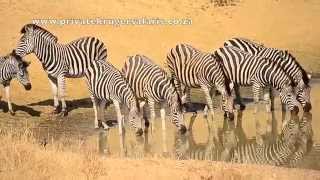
(286,24)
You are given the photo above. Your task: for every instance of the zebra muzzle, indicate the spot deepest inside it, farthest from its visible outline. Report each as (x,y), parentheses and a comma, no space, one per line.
(28,86)
(295,110)
(307,107)
(182,129)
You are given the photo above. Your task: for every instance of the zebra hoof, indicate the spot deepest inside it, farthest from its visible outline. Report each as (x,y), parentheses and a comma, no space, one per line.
(183,129)
(64,113)
(146,123)
(228,115)
(12,113)
(242,107)
(139,132)
(56,110)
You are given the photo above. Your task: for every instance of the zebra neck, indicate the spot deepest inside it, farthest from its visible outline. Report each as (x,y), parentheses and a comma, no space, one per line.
(46,51)
(7,71)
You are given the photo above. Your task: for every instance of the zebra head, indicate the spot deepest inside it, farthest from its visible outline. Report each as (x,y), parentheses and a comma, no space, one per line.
(135,116)
(227,98)
(175,104)
(26,43)
(21,69)
(303,95)
(288,96)
(31,35)
(302,79)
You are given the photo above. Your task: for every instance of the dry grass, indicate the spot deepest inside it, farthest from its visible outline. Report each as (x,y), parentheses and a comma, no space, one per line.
(22,157)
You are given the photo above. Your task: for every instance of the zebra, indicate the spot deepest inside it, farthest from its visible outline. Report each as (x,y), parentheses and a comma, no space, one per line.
(13,66)
(286,60)
(60,61)
(278,153)
(152,84)
(108,85)
(245,69)
(191,68)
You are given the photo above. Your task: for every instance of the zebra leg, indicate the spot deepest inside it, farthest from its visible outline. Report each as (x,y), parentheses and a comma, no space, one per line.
(7,90)
(271,99)
(238,98)
(101,110)
(54,87)
(256,94)
(267,99)
(163,117)
(95,108)
(62,88)
(144,114)
(206,91)
(121,130)
(152,114)
(119,116)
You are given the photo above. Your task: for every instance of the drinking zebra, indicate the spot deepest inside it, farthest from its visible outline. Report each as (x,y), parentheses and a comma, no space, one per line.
(107,85)
(60,61)
(151,84)
(13,66)
(191,68)
(245,69)
(285,60)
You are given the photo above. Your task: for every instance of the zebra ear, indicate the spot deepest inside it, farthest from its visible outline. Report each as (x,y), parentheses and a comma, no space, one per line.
(26,28)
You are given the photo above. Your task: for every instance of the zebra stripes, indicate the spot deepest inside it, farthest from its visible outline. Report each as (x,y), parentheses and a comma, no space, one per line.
(285,60)
(60,61)
(245,69)
(191,68)
(13,66)
(150,83)
(107,85)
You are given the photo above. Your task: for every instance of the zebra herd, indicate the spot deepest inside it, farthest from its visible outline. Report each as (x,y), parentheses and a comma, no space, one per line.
(240,62)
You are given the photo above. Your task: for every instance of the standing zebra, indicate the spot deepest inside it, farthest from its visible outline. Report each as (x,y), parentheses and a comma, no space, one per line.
(245,69)
(60,60)
(13,66)
(150,83)
(107,85)
(191,68)
(285,60)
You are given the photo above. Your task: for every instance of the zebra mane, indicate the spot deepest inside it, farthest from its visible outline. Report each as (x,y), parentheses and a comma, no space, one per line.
(40,29)
(305,77)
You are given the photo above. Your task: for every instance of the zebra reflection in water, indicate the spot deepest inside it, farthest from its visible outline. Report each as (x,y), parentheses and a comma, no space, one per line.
(232,145)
